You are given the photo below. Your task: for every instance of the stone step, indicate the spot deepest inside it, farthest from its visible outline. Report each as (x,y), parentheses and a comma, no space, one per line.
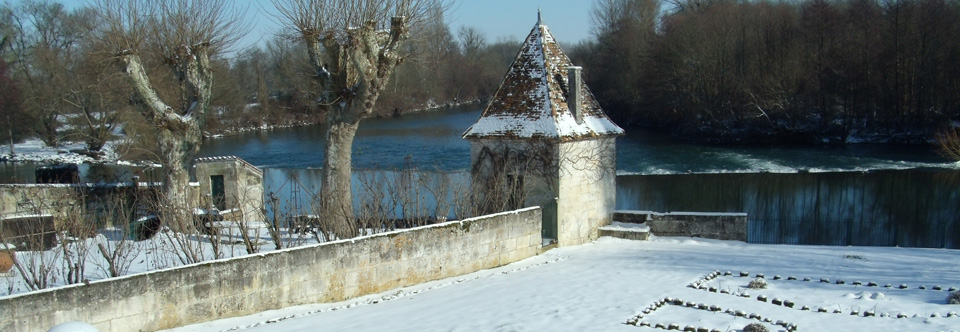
(627,231)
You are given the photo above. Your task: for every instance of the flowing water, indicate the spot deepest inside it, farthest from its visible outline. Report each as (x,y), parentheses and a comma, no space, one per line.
(835,195)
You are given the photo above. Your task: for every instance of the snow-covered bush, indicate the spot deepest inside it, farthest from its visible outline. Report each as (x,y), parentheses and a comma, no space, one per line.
(953,298)
(755,327)
(757,283)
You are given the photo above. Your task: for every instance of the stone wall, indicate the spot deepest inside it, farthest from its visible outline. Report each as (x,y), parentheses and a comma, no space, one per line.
(243,186)
(326,272)
(67,203)
(721,226)
(587,189)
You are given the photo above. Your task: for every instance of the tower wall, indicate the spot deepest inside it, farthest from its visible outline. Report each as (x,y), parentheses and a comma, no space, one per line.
(508,174)
(587,189)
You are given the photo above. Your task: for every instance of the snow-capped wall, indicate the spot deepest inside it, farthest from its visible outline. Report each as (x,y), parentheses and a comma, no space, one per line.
(721,226)
(328,272)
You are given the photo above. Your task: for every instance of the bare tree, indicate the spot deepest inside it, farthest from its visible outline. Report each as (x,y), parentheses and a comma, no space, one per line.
(45,35)
(11,110)
(185,34)
(352,56)
(97,94)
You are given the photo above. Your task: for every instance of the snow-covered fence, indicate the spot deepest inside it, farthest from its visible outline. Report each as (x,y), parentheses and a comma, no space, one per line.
(722,226)
(326,272)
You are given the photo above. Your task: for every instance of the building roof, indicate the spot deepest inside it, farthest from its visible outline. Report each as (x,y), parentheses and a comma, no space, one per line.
(531,101)
(220,159)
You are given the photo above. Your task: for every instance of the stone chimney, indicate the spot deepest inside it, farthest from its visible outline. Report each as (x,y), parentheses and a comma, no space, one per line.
(574,95)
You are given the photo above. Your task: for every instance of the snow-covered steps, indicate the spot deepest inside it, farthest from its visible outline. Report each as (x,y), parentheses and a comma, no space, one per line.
(627,231)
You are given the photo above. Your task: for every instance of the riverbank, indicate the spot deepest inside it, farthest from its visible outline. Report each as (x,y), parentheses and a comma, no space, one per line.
(396,113)
(35,150)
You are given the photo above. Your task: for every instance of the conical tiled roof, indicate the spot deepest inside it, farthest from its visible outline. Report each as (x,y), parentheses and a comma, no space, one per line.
(532,101)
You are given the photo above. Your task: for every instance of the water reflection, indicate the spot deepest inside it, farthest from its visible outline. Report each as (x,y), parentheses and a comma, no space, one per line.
(382,195)
(911,208)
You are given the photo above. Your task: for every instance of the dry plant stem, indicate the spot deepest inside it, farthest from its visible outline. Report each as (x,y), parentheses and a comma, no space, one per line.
(180,236)
(118,250)
(38,268)
(949,141)
(72,234)
(276,232)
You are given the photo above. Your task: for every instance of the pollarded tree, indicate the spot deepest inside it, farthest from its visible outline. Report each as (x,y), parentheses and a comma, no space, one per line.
(352,52)
(184,34)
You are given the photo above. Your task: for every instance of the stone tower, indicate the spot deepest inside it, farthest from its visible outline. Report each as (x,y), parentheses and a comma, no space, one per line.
(544,141)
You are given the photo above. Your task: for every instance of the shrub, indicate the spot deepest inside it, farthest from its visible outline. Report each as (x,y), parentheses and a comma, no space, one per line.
(757,283)
(949,141)
(755,327)
(953,298)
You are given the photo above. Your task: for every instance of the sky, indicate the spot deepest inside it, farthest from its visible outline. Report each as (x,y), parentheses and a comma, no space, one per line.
(569,20)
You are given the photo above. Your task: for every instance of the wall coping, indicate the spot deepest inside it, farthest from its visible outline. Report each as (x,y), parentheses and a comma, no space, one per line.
(275,252)
(626,227)
(81,185)
(682,213)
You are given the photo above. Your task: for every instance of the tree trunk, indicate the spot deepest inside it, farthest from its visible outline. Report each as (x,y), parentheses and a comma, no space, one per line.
(336,191)
(177,151)
(178,136)
(10,132)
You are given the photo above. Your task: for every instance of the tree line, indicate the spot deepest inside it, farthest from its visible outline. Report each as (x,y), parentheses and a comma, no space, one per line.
(809,71)
(57,81)
(163,71)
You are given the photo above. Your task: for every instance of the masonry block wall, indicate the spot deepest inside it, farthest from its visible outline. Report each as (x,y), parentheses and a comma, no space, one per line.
(66,202)
(587,189)
(720,226)
(46,199)
(326,272)
(496,165)
(242,185)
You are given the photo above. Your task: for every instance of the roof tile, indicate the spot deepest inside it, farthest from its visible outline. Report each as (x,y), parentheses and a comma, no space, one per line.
(531,101)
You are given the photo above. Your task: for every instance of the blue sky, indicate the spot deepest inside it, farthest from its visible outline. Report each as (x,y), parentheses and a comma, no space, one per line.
(569,20)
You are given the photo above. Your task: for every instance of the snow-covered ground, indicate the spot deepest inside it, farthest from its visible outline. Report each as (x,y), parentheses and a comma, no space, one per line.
(36,151)
(166,249)
(607,284)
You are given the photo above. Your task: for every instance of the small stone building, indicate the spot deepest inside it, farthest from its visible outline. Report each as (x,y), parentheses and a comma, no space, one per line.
(232,185)
(544,141)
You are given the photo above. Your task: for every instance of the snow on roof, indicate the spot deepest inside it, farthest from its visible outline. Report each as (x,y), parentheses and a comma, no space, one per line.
(228,159)
(531,101)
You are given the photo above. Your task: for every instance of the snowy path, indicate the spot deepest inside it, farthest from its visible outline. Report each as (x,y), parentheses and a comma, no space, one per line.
(602,285)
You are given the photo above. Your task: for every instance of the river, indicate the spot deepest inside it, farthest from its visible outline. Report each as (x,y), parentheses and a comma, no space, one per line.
(864,194)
